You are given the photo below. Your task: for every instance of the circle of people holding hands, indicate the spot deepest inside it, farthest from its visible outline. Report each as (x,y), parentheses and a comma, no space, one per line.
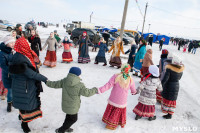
(21,80)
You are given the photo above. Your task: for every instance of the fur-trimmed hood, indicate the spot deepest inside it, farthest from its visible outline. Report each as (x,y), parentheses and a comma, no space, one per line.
(174,68)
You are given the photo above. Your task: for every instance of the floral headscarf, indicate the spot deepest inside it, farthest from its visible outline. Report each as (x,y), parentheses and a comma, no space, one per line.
(125,69)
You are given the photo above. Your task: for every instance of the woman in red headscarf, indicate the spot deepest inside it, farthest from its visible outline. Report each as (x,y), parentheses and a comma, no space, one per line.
(84,48)
(26,83)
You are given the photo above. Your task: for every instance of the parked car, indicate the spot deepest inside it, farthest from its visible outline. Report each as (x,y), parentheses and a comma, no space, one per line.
(126,39)
(4,24)
(31,23)
(129,34)
(79,31)
(45,25)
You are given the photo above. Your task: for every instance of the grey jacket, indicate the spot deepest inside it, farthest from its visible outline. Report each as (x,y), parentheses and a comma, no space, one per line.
(147,91)
(51,42)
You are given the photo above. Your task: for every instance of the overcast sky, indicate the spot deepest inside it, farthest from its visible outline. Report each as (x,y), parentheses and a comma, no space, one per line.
(171,17)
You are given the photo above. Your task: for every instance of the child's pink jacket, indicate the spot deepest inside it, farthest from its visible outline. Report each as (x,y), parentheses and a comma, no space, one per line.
(67,46)
(118,96)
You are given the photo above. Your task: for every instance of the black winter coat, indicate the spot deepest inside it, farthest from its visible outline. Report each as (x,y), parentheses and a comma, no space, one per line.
(106,36)
(5,57)
(150,39)
(170,82)
(35,44)
(25,83)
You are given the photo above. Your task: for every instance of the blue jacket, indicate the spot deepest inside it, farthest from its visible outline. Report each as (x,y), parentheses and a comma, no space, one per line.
(131,51)
(102,49)
(25,80)
(5,58)
(140,53)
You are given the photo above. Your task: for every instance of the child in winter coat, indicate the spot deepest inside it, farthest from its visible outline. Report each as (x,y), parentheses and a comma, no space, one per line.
(67,56)
(115,113)
(6,54)
(101,54)
(72,90)
(147,98)
(161,69)
(132,52)
(3,90)
(170,83)
(185,48)
(147,61)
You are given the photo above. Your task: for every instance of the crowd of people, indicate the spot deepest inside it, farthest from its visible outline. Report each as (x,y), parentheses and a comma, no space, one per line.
(21,80)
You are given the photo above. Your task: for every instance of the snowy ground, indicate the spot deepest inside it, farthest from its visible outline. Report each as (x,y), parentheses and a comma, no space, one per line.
(186,116)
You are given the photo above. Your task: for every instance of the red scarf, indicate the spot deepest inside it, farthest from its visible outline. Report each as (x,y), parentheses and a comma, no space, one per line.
(22,46)
(32,37)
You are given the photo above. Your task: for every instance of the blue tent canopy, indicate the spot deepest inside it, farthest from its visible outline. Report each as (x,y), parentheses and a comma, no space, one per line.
(167,39)
(147,34)
(113,30)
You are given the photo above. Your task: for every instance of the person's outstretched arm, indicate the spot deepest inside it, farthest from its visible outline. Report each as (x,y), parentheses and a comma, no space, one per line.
(55,84)
(108,85)
(87,92)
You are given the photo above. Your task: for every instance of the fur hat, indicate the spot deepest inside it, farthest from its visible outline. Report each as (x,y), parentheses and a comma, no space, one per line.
(154,70)
(148,47)
(75,70)
(8,39)
(177,61)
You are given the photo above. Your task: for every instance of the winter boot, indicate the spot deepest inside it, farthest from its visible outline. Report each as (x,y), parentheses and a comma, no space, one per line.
(118,67)
(104,64)
(109,127)
(138,117)
(25,127)
(96,63)
(9,107)
(152,118)
(168,116)
(3,97)
(66,131)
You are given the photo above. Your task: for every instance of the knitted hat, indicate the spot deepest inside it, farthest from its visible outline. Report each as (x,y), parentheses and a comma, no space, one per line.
(8,39)
(154,70)
(148,47)
(125,69)
(177,61)
(164,51)
(85,32)
(75,70)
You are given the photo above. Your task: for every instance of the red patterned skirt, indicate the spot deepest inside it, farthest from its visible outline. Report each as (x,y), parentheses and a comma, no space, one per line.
(67,57)
(3,90)
(168,106)
(144,110)
(114,116)
(158,96)
(50,59)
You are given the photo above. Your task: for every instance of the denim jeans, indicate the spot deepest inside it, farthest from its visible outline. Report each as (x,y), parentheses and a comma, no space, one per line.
(194,50)
(9,96)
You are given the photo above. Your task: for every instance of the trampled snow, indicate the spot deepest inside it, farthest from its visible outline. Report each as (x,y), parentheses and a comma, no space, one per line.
(186,117)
